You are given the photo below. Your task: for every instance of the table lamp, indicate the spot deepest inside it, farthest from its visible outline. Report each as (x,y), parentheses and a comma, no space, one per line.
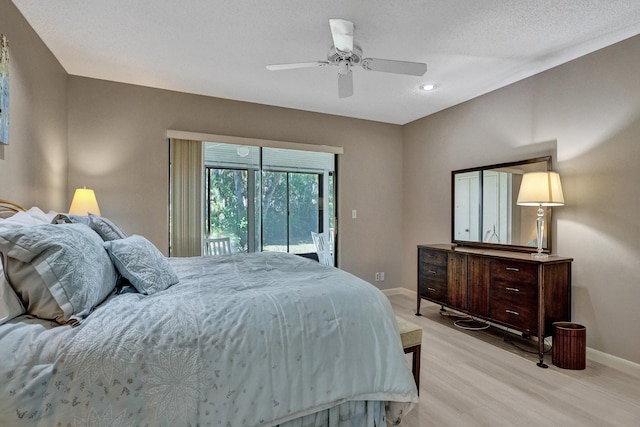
(84,201)
(540,189)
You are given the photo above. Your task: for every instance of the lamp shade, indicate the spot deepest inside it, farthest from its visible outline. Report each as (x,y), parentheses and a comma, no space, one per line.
(540,188)
(84,201)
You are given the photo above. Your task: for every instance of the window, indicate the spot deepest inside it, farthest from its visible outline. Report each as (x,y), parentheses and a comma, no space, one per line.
(267,199)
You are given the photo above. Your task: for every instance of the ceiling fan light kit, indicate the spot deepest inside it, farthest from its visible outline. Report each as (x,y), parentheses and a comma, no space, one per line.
(345,54)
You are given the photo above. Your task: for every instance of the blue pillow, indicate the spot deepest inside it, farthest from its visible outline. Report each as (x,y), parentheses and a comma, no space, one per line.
(142,264)
(59,272)
(105,228)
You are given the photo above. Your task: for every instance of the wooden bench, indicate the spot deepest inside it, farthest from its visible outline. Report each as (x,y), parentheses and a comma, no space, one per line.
(411,336)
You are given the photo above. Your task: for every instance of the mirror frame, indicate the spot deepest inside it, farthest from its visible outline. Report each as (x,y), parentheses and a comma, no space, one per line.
(500,246)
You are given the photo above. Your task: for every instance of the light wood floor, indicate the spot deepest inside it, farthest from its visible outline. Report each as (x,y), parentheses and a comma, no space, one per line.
(477,379)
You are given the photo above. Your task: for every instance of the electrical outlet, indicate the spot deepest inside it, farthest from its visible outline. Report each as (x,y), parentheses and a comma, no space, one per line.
(377,277)
(382,276)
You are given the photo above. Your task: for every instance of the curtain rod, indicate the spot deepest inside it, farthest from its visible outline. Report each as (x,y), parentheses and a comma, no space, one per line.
(178,134)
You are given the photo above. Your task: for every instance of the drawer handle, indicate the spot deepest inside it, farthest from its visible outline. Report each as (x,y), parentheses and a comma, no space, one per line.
(431,289)
(513,289)
(432,272)
(513,312)
(513,269)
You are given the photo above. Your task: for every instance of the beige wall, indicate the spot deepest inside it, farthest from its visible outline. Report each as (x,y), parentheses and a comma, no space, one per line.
(587,113)
(117,146)
(33,167)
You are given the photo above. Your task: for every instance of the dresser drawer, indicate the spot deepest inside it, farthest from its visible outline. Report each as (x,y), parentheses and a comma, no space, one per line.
(432,266)
(432,273)
(434,291)
(514,294)
(432,282)
(513,272)
(518,294)
(433,257)
(520,313)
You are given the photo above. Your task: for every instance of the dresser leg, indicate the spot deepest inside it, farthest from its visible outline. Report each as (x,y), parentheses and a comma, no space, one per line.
(418,308)
(541,363)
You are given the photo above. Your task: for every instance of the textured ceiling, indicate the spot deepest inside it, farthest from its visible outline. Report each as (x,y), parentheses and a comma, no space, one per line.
(220,47)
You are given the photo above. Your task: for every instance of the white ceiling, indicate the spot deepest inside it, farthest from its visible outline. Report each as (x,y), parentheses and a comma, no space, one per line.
(220,47)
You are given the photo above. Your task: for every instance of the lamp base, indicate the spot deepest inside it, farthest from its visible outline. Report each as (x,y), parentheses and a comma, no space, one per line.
(539,255)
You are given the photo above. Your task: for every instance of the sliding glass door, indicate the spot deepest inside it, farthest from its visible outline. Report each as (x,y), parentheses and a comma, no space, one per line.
(227,207)
(267,199)
(289,211)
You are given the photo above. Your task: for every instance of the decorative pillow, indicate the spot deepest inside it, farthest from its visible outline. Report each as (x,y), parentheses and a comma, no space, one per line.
(10,305)
(105,228)
(59,272)
(140,262)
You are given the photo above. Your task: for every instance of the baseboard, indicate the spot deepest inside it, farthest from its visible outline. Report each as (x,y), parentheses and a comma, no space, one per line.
(623,365)
(399,291)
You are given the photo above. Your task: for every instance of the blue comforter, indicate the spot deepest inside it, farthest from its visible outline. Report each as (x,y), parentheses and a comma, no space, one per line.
(241,340)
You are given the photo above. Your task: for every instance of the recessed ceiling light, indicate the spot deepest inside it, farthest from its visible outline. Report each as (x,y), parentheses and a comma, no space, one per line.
(427,87)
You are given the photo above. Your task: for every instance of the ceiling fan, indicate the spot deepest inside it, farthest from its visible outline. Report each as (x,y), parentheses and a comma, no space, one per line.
(345,54)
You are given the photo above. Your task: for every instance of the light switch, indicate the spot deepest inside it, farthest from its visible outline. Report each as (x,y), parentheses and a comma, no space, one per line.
(354,214)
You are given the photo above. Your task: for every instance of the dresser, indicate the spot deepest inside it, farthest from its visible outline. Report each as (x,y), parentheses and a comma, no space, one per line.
(511,289)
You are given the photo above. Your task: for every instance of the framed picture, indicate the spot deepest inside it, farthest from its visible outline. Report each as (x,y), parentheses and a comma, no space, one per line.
(4,90)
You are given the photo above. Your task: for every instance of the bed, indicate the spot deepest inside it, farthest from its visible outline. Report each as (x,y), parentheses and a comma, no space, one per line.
(231,340)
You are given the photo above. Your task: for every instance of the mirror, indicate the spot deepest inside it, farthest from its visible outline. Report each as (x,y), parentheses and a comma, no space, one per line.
(484,212)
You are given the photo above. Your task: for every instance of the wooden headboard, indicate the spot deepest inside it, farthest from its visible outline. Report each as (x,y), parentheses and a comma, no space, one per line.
(8,208)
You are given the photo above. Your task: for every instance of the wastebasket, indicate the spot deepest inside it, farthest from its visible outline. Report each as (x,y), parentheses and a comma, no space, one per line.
(569,345)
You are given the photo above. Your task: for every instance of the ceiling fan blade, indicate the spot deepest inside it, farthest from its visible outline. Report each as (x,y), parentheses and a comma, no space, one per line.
(397,67)
(342,33)
(345,84)
(276,67)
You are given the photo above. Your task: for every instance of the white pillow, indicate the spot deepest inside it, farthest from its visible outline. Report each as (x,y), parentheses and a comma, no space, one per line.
(19,219)
(41,217)
(33,216)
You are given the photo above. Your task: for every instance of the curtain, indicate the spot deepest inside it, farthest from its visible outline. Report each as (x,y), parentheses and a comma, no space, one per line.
(186,204)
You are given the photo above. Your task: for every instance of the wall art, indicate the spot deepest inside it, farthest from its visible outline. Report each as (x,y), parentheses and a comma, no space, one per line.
(4,90)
